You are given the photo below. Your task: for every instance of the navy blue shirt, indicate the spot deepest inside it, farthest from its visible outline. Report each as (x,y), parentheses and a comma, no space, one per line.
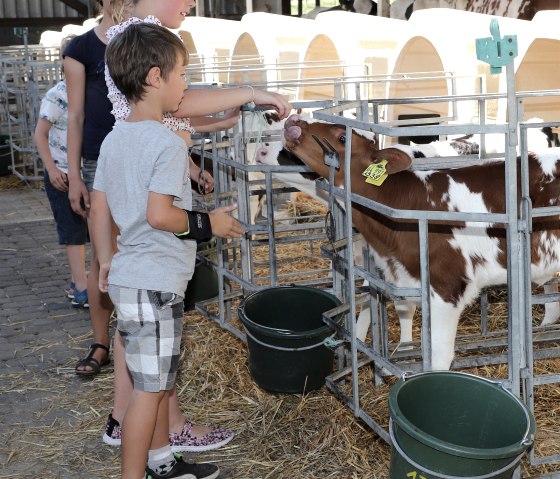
(89,50)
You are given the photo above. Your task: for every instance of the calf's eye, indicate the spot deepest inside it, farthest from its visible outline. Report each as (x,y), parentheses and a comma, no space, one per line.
(342,139)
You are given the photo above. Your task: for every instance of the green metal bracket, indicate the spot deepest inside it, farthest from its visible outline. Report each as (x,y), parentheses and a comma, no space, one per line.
(496,51)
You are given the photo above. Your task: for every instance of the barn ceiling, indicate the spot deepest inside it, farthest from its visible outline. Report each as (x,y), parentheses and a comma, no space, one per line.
(19,13)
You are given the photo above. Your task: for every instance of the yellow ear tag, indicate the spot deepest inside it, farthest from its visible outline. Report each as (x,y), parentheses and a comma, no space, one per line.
(375,173)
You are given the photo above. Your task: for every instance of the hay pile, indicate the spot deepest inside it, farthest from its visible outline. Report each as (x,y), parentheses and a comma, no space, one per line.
(11,182)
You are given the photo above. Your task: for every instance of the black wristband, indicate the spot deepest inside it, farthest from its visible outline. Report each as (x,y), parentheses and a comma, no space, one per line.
(200,228)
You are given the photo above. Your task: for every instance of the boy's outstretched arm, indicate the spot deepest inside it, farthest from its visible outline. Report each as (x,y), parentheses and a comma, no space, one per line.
(163,215)
(101,230)
(202,102)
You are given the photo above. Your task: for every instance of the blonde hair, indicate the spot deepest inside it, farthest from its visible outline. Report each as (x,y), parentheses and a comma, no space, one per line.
(133,52)
(121,9)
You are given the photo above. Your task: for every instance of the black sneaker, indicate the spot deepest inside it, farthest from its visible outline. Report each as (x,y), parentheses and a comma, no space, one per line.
(185,470)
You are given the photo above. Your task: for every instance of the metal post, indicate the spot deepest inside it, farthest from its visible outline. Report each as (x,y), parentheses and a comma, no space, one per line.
(200,10)
(516,270)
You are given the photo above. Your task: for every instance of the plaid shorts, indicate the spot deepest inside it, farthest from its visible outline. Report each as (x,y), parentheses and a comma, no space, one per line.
(151,324)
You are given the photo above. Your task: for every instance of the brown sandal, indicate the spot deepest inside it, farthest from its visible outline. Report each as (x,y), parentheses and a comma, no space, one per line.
(90,361)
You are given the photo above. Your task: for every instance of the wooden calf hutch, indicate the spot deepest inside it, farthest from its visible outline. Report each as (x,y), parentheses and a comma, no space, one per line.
(444,42)
(366,54)
(209,42)
(270,49)
(537,69)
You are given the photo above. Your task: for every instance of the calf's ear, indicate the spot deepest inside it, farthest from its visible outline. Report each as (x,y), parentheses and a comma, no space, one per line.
(397,160)
(271,117)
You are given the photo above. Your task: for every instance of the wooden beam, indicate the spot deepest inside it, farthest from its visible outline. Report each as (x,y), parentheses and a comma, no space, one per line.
(80,7)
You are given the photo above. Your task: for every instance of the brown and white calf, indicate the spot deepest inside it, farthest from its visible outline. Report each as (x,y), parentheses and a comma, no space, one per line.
(463,257)
(273,153)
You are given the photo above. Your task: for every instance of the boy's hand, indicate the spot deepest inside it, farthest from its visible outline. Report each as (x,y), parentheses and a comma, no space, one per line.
(223,225)
(79,197)
(104,276)
(58,179)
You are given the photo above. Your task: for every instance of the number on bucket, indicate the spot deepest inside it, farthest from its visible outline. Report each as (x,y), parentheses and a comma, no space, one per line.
(415,475)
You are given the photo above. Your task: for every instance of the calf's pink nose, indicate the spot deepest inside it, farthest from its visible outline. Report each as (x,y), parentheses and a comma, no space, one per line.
(262,153)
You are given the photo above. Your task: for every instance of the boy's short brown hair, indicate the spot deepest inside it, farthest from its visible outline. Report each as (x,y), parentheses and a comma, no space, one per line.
(131,54)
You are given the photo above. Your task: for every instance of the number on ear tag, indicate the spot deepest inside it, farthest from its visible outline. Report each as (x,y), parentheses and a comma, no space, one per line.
(376,173)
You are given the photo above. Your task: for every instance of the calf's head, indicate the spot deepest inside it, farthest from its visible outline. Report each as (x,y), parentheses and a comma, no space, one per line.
(308,141)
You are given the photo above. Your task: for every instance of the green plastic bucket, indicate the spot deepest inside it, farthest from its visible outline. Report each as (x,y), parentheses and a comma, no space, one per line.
(447,424)
(285,335)
(202,286)
(204,282)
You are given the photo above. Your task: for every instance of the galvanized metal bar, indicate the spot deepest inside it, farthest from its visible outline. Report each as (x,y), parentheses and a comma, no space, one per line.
(426,290)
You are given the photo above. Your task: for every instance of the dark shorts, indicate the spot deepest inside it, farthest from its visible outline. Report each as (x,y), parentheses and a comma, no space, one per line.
(71,228)
(88,172)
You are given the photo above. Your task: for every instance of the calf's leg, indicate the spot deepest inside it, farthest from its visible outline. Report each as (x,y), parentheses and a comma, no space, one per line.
(551,310)
(405,311)
(444,321)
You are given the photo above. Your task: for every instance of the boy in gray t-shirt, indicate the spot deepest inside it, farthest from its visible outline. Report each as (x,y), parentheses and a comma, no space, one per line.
(142,183)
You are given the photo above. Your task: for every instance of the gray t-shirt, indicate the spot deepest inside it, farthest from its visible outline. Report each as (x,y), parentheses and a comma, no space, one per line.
(137,158)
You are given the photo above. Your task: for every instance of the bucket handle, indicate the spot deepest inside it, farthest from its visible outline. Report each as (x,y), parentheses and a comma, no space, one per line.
(285,332)
(280,348)
(396,445)
(407,374)
(527,439)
